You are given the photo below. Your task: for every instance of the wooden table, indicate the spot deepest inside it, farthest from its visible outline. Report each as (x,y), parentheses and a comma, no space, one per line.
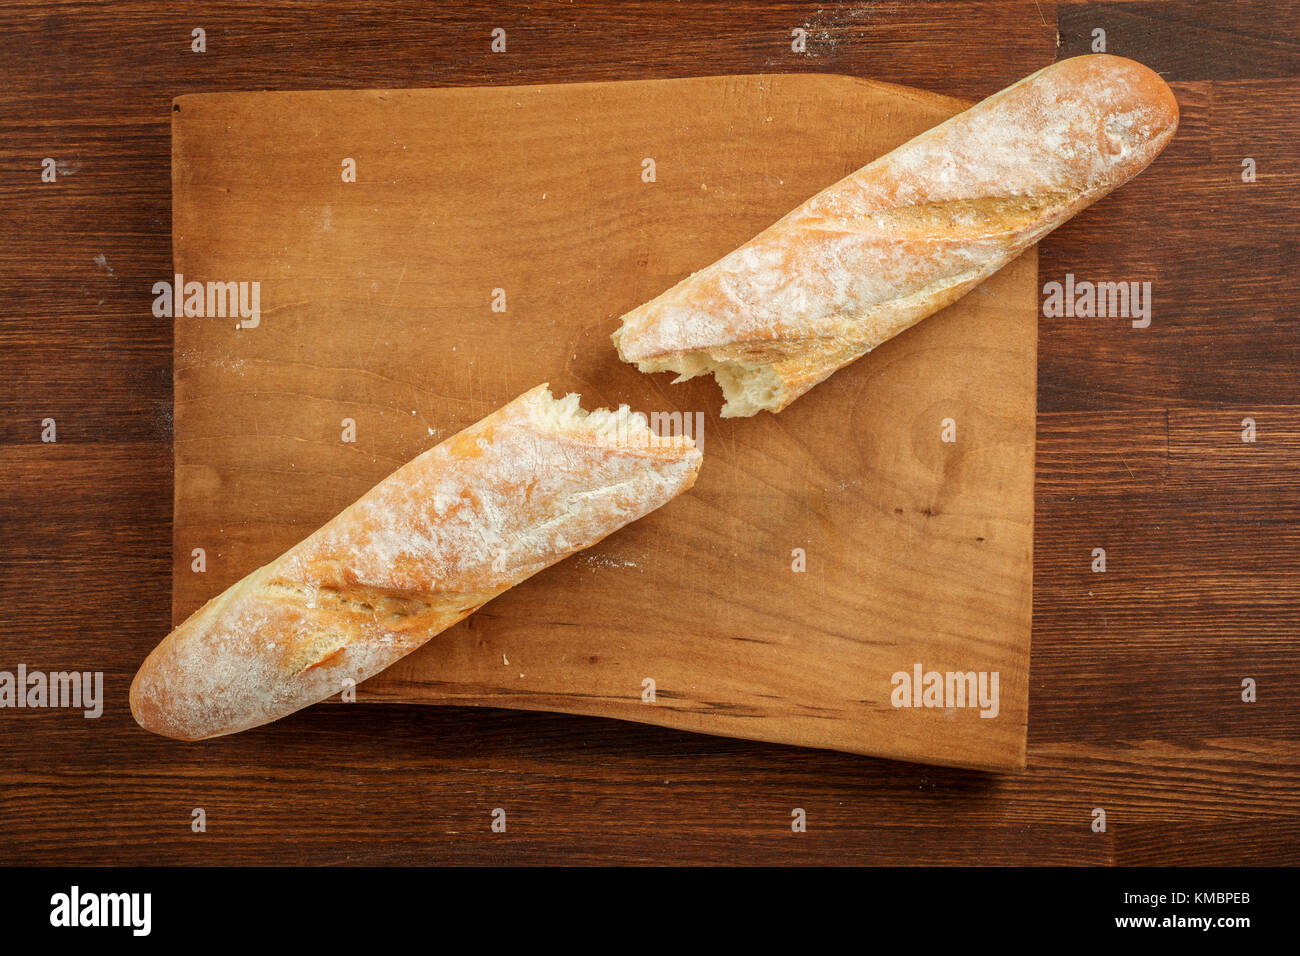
(1136,699)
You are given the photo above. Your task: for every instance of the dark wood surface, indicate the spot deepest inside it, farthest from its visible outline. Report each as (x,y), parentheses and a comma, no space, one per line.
(1136,673)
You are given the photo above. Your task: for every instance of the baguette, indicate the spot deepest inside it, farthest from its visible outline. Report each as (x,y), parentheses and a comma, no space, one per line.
(534,482)
(904,236)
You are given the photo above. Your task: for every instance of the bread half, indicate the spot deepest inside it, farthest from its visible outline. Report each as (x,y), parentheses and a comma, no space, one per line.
(529,485)
(904,236)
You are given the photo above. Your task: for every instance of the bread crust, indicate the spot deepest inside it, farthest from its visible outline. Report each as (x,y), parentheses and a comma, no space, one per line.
(523,488)
(906,235)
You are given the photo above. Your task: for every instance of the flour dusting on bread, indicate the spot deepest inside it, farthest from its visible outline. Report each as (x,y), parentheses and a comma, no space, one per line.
(528,485)
(904,236)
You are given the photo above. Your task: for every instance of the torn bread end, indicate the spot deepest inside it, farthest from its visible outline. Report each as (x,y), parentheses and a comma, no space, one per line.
(606,426)
(748,387)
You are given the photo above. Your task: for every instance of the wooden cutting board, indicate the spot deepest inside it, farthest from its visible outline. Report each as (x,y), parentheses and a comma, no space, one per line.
(377,307)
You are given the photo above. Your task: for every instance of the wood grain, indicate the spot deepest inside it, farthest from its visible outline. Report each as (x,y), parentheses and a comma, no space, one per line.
(1188,40)
(1191,776)
(376,299)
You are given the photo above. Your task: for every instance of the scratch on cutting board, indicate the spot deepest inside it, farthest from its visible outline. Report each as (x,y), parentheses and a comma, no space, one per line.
(402,275)
(388,307)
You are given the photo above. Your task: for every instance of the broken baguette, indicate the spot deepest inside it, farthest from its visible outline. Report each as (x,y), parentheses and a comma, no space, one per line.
(904,236)
(529,485)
